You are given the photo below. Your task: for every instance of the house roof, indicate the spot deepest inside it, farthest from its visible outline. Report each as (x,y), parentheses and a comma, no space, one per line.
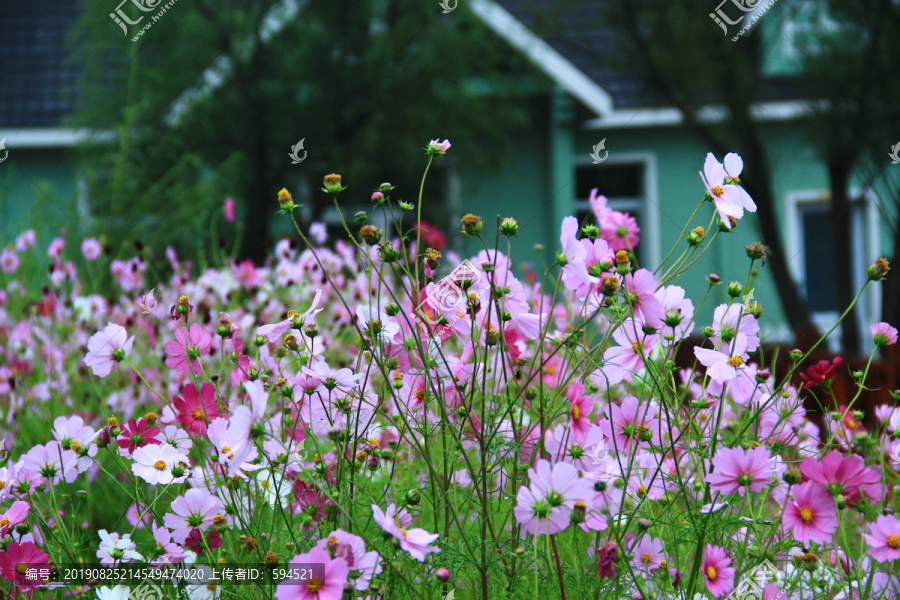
(35,75)
(578,32)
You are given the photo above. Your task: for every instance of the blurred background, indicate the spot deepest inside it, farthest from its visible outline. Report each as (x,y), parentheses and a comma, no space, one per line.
(136,119)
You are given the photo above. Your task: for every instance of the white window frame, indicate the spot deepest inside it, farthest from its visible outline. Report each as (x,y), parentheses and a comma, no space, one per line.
(649,203)
(865,248)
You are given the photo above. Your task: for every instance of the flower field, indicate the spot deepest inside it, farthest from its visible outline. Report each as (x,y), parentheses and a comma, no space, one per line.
(373,418)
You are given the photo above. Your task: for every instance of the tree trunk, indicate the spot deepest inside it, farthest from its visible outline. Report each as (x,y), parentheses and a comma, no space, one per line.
(841,226)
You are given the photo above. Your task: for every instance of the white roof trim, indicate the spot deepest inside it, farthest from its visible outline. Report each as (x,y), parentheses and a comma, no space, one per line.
(657,117)
(50,137)
(551,62)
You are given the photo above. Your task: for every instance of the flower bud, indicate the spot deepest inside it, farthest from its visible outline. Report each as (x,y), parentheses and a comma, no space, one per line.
(471,225)
(332,184)
(370,234)
(388,252)
(285,200)
(796,354)
(413,497)
(377,198)
(735,289)
(879,270)
(361,217)
(509,227)
(755,251)
(695,236)
(442,574)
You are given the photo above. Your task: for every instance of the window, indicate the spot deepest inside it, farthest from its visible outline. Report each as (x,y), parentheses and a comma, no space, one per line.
(812,256)
(626,184)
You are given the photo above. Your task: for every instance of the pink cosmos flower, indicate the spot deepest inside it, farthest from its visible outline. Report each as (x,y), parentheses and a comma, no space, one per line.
(580,408)
(91,249)
(648,554)
(154,462)
(841,474)
(632,423)
(228,209)
(641,293)
(19,557)
(325,585)
(883,334)
(56,247)
(723,366)
(628,356)
(620,230)
(196,509)
(556,492)
(185,350)
(196,410)
(599,205)
(116,549)
(884,538)
(718,572)
(352,548)
(415,541)
(9,261)
(739,470)
(606,565)
(274,331)
(810,515)
(17,513)
(437,147)
(51,463)
(137,434)
(730,200)
(107,348)
(332,378)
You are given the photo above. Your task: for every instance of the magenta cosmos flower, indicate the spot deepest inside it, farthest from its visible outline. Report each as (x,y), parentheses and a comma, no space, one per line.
(352,548)
(137,434)
(196,509)
(810,515)
(884,538)
(107,348)
(717,571)
(632,423)
(580,407)
(736,470)
(730,200)
(620,230)
(327,582)
(19,557)
(883,334)
(841,474)
(415,541)
(195,410)
(185,350)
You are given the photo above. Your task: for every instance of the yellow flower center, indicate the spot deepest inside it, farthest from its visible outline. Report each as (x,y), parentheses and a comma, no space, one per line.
(645,558)
(197,413)
(637,347)
(576,412)
(75,446)
(403,531)
(159,465)
(718,191)
(225,449)
(851,423)
(735,361)
(21,568)
(4,522)
(806,514)
(314,585)
(893,541)
(711,572)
